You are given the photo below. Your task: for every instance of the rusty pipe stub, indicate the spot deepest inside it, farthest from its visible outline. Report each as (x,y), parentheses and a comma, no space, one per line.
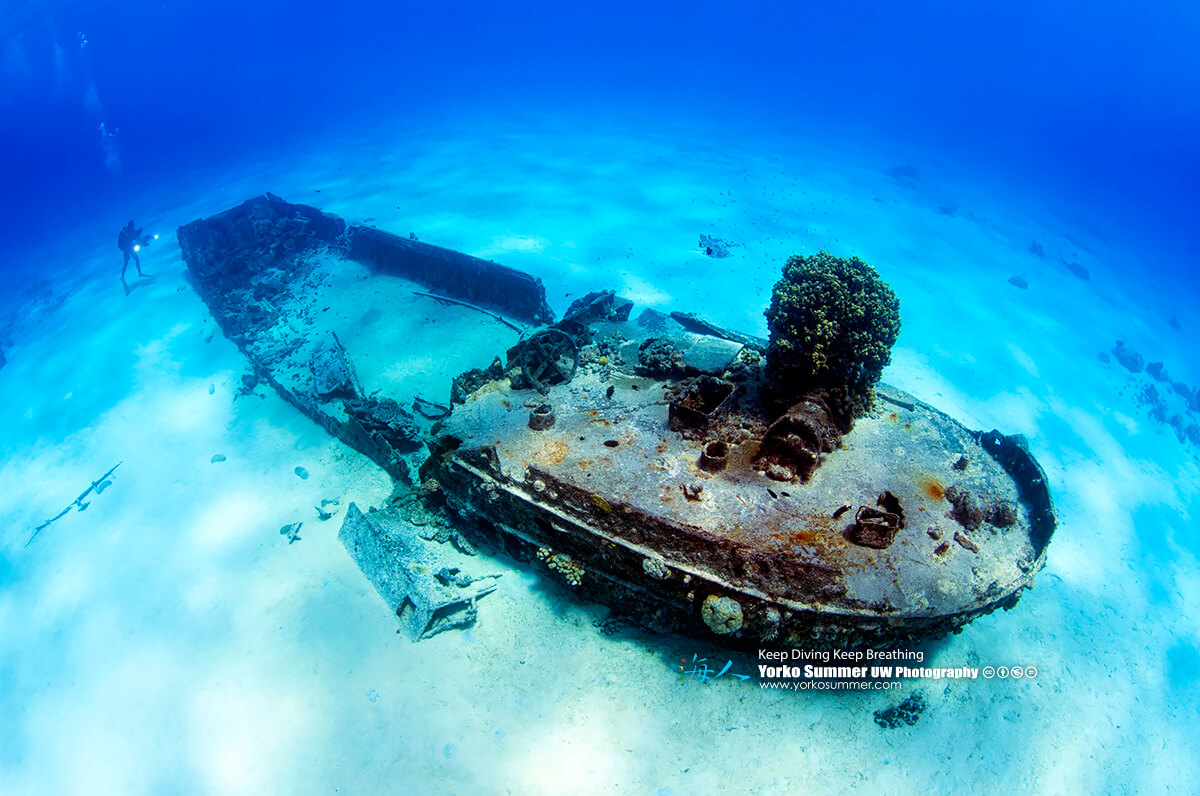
(541,417)
(714,457)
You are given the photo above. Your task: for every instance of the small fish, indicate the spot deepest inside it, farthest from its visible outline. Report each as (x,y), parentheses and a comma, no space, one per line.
(300,471)
(840,511)
(609,392)
(1019,281)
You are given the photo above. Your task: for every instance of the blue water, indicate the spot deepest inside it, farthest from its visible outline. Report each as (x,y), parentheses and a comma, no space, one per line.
(588,143)
(1095,106)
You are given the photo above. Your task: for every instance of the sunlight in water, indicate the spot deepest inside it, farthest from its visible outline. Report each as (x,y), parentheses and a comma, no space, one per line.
(575,755)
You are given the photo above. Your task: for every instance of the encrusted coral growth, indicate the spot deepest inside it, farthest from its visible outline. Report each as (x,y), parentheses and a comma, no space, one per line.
(972,510)
(656,568)
(833,322)
(658,356)
(601,504)
(905,713)
(568,568)
(723,615)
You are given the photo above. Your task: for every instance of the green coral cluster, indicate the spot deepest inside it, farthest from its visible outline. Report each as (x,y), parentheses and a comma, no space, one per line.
(833,322)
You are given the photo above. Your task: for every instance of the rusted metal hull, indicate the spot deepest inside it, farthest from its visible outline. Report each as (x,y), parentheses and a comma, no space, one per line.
(780,570)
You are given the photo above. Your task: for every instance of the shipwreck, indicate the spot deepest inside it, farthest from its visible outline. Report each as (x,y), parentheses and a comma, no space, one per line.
(696,479)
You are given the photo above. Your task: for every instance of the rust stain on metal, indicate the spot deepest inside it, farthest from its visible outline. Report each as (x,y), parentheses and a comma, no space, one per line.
(933,487)
(554,452)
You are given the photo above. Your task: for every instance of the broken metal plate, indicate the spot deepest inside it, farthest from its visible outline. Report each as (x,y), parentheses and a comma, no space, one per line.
(405,570)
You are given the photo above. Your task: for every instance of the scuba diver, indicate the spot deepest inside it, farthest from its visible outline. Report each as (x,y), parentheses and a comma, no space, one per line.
(129,241)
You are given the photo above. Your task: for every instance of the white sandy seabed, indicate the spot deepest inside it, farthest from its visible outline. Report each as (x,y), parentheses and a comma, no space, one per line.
(169,640)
